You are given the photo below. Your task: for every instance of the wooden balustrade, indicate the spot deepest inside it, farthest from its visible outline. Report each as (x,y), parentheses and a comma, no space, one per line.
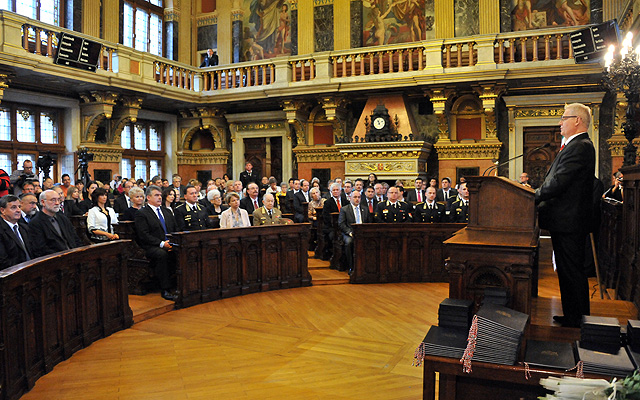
(462,54)
(409,252)
(536,47)
(175,76)
(239,77)
(303,70)
(378,62)
(217,263)
(55,305)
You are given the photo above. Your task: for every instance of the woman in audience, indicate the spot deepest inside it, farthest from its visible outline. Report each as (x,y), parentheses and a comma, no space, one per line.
(140,183)
(80,187)
(137,201)
(72,202)
(216,207)
(226,178)
(372,180)
(234,216)
(317,201)
(273,187)
(101,218)
(315,182)
(86,204)
(169,199)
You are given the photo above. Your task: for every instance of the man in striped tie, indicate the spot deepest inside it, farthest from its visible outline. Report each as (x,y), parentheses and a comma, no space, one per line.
(15,245)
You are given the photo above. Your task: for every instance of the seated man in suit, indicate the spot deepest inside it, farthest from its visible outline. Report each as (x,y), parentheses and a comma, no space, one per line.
(51,230)
(370,201)
(354,213)
(28,206)
(459,209)
(393,210)
(416,195)
(301,197)
(267,214)
(332,205)
(15,244)
(380,195)
(447,192)
(123,202)
(430,210)
(251,201)
(152,224)
(190,215)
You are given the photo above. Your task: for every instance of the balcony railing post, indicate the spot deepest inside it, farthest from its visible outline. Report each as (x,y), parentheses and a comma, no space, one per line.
(512,50)
(535,48)
(559,47)
(433,56)
(485,51)
(50,43)
(25,37)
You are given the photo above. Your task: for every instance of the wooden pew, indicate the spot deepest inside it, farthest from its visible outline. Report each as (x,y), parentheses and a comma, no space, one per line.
(337,258)
(55,305)
(79,223)
(140,278)
(408,252)
(319,249)
(218,263)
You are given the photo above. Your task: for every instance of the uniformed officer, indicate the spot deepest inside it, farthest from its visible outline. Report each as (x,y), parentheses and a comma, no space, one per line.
(459,210)
(430,210)
(191,216)
(393,210)
(267,214)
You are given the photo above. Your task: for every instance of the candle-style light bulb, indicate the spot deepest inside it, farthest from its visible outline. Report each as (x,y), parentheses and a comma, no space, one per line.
(608,58)
(626,44)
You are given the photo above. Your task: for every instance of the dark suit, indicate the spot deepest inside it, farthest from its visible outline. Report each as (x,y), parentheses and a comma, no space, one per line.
(365,203)
(120,204)
(71,208)
(209,61)
(422,213)
(330,206)
(191,218)
(246,179)
(298,200)
(412,195)
(387,212)
(11,249)
(47,238)
(247,204)
(440,195)
(459,211)
(565,207)
(346,219)
(149,235)
(182,190)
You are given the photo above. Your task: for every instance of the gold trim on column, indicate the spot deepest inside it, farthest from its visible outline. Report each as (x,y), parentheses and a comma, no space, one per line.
(206,19)
(468,151)
(617,145)
(203,157)
(317,154)
(539,112)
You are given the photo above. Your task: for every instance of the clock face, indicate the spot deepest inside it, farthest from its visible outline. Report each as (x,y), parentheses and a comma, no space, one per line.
(378,123)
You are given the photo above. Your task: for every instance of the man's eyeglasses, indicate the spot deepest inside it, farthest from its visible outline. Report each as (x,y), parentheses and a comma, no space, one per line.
(566,117)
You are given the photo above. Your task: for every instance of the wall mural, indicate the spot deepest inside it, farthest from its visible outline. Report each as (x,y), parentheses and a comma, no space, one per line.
(266,29)
(397,21)
(536,14)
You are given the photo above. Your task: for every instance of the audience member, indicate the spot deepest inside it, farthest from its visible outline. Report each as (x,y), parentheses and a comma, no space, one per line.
(177,186)
(210,59)
(234,216)
(317,201)
(447,192)
(136,195)
(459,209)
(369,200)
(50,229)
(28,206)
(123,202)
(524,179)
(15,237)
(393,210)
(372,180)
(267,214)
(216,207)
(101,218)
(251,201)
(379,189)
(247,176)
(169,199)
(301,197)
(20,176)
(615,192)
(66,182)
(429,210)
(350,215)
(72,202)
(191,216)
(86,204)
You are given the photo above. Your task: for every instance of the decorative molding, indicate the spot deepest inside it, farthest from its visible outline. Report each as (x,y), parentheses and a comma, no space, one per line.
(401,167)
(5,78)
(202,112)
(171,14)
(317,154)
(468,151)
(207,19)
(293,4)
(297,112)
(237,15)
(260,126)
(491,131)
(620,113)
(385,150)
(203,157)
(539,112)
(104,154)
(317,3)
(96,107)
(618,143)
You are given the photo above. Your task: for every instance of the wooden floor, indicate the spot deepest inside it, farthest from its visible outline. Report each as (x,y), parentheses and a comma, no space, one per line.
(328,341)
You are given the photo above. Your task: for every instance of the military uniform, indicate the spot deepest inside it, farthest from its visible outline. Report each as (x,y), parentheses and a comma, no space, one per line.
(387,212)
(422,213)
(261,216)
(191,218)
(459,211)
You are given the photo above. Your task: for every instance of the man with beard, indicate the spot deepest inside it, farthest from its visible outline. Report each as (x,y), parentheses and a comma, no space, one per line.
(28,206)
(51,230)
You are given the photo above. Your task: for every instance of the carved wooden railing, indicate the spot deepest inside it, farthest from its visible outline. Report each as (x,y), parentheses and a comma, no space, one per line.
(375,61)
(459,54)
(610,242)
(42,39)
(218,263)
(174,75)
(53,306)
(303,69)
(529,46)
(239,76)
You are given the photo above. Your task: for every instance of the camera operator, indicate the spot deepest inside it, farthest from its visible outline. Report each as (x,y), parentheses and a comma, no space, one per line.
(20,176)
(615,191)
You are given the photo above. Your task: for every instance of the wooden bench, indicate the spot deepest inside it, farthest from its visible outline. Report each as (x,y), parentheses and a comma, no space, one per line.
(140,278)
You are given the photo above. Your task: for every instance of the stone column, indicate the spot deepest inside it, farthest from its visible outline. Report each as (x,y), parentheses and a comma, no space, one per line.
(171,18)
(341,25)
(445,19)
(356,23)
(111,14)
(489,16)
(236,34)
(91,17)
(294,27)
(305,19)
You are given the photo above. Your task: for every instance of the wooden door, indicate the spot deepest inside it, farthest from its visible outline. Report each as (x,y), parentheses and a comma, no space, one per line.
(255,153)
(537,163)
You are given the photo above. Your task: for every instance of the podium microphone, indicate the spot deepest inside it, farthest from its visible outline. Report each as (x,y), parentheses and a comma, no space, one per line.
(491,168)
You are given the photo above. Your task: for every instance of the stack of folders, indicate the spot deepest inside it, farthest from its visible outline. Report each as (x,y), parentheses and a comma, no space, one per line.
(633,341)
(445,342)
(500,331)
(597,362)
(546,354)
(496,295)
(600,334)
(455,314)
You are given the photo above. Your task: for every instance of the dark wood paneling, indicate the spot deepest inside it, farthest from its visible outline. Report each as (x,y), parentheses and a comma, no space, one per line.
(630,255)
(217,263)
(402,253)
(55,305)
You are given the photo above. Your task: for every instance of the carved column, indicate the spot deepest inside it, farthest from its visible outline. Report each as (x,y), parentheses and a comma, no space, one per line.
(439,98)
(5,78)
(171,18)
(96,107)
(236,33)
(110,13)
(488,94)
(91,17)
(336,112)
(445,19)
(124,113)
(297,112)
(618,141)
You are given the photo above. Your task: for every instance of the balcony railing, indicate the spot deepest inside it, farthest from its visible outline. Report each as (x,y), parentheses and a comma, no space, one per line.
(426,61)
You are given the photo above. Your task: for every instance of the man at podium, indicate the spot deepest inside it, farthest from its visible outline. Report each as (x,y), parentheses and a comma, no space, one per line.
(564,208)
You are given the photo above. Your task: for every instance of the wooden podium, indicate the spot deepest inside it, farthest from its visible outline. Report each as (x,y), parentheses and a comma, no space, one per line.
(499,246)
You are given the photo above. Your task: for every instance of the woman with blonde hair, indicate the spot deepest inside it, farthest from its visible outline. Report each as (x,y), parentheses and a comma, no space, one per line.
(234,216)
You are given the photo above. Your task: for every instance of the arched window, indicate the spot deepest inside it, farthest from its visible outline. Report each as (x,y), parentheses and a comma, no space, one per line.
(467,119)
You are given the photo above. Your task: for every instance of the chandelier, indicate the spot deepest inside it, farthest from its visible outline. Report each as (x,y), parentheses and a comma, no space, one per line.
(622,75)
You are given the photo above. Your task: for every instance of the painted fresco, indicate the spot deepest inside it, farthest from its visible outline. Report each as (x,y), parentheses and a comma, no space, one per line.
(266,29)
(536,14)
(397,21)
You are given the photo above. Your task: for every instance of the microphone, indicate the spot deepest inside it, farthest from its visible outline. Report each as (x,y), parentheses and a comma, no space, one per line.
(497,165)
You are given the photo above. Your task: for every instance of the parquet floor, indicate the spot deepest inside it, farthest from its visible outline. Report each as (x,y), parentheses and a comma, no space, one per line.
(334,341)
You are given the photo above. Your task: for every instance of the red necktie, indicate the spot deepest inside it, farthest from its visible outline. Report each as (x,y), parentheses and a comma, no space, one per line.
(562,147)
(338,201)
(419,196)
(371,206)
(255,204)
